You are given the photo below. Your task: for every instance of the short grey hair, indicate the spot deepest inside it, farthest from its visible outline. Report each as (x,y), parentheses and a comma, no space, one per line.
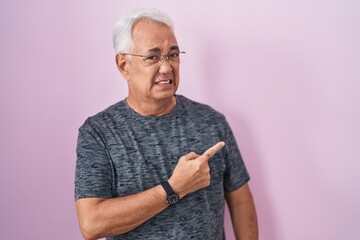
(122,34)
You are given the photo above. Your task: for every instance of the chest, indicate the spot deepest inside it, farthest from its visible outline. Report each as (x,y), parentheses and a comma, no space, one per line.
(145,154)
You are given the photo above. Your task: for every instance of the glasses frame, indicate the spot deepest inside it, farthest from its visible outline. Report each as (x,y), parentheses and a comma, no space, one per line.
(161,57)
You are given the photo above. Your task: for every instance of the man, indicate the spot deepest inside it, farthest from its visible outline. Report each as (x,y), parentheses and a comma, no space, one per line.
(158,165)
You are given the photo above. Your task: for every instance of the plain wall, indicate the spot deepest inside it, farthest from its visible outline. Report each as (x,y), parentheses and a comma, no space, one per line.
(285,73)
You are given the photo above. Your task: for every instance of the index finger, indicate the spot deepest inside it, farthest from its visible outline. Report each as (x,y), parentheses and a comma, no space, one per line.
(212,150)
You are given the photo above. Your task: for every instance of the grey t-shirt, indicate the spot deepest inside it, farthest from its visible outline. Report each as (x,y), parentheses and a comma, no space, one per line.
(120,152)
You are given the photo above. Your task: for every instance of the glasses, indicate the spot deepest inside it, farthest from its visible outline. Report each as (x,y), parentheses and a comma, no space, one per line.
(157,58)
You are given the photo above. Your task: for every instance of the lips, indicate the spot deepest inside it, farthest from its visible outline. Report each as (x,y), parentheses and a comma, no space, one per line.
(167,81)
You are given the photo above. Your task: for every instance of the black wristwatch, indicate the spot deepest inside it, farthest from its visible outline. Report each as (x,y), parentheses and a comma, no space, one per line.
(172,197)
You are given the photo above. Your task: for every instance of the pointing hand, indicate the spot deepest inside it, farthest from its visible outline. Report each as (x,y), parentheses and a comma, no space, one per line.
(192,171)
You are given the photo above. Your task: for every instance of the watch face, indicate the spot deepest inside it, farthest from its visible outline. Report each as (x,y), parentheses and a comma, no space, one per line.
(173,198)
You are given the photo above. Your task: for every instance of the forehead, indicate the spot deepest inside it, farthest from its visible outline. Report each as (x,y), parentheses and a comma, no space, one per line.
(149,35)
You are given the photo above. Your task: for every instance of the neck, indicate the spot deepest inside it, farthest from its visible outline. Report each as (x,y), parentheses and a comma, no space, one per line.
(152,108)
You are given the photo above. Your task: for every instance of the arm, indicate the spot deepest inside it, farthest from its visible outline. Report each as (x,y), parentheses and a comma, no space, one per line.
(107,217)
(243,213)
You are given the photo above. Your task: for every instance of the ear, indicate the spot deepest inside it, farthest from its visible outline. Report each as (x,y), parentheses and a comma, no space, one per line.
(122,64)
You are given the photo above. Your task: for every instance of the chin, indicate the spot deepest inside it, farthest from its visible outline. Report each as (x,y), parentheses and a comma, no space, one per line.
(164,96)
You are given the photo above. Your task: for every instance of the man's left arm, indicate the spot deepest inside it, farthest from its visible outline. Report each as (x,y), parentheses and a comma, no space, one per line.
(243,214)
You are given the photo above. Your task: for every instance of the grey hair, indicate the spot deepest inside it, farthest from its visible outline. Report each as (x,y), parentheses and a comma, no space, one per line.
(122,34)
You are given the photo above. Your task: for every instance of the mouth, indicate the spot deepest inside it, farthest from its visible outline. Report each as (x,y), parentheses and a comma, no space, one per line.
(168,81)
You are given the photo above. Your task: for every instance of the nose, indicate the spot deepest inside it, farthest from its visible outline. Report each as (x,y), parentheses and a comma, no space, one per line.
(165,65)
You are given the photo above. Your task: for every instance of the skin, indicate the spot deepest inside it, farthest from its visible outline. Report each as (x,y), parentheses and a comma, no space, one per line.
(243,213)
(99,217)
(146,96)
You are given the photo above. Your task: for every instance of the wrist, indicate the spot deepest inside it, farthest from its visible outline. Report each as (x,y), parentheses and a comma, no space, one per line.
(176,188)
(171,196)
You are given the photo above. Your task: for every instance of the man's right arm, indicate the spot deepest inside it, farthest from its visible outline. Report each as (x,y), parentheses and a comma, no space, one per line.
(100,217)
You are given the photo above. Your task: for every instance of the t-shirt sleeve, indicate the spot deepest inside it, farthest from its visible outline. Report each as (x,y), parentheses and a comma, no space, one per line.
(93,176)
(235,174)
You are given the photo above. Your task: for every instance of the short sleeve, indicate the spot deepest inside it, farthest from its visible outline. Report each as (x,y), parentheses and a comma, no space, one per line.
(93,176)
(235,174)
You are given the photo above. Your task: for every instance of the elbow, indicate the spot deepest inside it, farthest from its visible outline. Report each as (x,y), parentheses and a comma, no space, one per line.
(92,230)
(89,230)
(88,236)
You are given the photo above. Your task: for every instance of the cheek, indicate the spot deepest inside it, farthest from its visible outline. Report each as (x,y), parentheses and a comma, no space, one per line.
(176,73)
(142,75)
(143,80)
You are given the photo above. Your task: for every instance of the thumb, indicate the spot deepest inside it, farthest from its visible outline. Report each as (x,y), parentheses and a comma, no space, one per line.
(191,156)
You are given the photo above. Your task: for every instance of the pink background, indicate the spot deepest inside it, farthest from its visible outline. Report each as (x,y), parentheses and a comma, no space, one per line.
(285,73)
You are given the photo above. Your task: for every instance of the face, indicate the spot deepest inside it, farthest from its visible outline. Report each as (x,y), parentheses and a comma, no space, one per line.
(157,81)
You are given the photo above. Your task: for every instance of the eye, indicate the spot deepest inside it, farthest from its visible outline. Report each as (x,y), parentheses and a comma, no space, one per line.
(173,56)
(152,58)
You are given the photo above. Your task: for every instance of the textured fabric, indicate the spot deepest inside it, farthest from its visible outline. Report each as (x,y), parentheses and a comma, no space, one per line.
(120,153)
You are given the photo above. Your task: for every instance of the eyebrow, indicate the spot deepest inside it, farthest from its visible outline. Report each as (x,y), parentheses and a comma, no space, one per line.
(174,48)
(158,50)
(155,50)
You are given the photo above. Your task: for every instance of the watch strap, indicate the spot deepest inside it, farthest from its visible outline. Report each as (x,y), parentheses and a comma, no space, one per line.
(167,187)
(172,197)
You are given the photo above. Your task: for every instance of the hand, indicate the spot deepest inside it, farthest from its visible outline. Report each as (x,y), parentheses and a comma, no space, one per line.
(193,172)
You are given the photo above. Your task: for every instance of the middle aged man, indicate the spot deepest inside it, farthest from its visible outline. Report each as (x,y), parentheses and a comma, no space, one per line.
(139,174)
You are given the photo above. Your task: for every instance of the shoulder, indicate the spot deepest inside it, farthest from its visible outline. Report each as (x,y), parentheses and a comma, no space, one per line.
(105,117)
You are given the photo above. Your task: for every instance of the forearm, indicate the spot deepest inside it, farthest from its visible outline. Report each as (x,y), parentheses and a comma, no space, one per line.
(107,217)
(245,223)
(243,214)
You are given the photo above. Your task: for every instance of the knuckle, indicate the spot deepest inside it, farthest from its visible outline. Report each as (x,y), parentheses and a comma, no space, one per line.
(208,155)
(208,183)
(191,155)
